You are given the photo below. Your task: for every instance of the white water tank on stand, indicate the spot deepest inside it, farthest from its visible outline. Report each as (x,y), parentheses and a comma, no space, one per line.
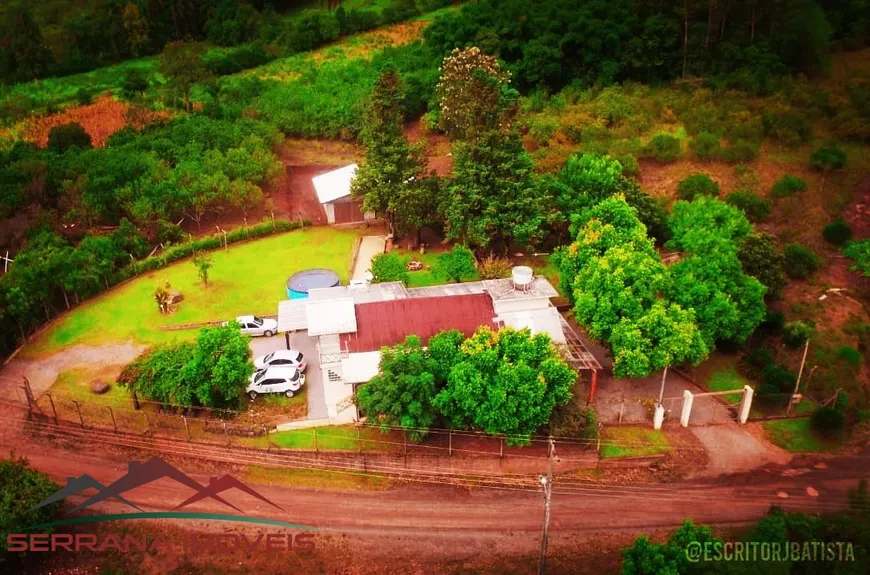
(522,277)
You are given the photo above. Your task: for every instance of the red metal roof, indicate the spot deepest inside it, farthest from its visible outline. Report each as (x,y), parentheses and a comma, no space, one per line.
(389,322)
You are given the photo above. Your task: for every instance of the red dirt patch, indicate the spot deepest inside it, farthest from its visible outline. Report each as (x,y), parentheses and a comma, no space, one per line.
(438,155)
(100,120)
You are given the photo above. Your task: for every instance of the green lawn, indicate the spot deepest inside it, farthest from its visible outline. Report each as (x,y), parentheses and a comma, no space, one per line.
(343,438)
(318,478)
(632,442)
(249,278)
(75,384)
(796,436)
(725,380)
(432,273)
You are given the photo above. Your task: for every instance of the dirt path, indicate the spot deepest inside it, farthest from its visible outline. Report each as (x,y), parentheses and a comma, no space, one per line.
(369,247)
(732,448)
(455,516)
(43,372)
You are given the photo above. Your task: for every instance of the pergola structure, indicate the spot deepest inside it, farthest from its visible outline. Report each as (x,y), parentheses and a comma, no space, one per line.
(579,356)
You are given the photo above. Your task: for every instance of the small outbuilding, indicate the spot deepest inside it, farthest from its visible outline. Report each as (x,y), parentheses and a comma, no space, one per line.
(333,193)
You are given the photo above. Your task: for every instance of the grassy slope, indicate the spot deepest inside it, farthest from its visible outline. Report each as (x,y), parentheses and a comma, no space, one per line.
(249,278)
(632,442)
(318,479)
(796,436)
(342,438)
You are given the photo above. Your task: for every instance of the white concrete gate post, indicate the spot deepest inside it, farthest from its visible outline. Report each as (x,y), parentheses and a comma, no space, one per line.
(688,400)
(745,404)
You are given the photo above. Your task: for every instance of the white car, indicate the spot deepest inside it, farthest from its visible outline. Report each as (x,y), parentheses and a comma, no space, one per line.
(281,358)
(286,380)
(253,325)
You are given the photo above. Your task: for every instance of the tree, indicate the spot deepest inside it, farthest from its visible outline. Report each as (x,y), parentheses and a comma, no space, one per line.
(505,382)
(761,258)
(670,558)
(162,297)
(389,267)
(492,197)
(23,53)
(388,181)
(22,489)
(220,366)
(402,392)
(181,63)
(137,29)
(704,224)
(697,185)
(213,372)
(135,84)
(728,304)
(458,264)
(859,251)
(471,94)
(800,262)
(665,335)
(202,262)
(63,137)
(826,159)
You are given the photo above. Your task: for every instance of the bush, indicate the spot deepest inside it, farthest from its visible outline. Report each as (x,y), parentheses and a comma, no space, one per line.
(828,158)
(778,378)
(756,208)
(630,167)
(83,96)
(755,363)
(697,185)
(788,185)
(851,356)
(706,146)
(761,258)
(800,262)
(663,147)
(389,267)
(23,488)
(827,422)
(774,322)
(495,268)
(61,138)
(741,151)
(459,264)
(837,232)
(796,333)
(787,126)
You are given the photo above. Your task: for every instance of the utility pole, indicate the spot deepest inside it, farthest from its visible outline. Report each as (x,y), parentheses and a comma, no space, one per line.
(798,382)
(547,482)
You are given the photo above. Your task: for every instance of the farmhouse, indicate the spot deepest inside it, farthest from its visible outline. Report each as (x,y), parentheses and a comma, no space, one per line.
(333,193)
(352,323)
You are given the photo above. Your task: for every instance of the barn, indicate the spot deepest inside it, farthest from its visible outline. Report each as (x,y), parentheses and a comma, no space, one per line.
(333,193)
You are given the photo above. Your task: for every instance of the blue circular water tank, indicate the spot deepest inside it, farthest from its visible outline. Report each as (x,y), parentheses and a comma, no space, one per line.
(301,282)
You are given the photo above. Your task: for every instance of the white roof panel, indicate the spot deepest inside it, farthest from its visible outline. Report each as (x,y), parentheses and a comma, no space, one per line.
(330,316)
(360,367)
(334,185)
(546,320)
(292,316)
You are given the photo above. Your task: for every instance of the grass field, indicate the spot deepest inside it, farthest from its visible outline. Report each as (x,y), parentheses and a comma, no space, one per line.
(432,274)
(632,442)
(249,278)
(796,436)
(318,478)
(340,438)
(75,384)
(725,380)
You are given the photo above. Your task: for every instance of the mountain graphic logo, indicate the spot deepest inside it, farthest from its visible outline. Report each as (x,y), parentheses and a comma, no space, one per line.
(139,474)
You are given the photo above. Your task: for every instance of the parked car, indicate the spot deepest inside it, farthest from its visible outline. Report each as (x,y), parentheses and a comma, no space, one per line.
(253,325)
(281,358)
(286,380)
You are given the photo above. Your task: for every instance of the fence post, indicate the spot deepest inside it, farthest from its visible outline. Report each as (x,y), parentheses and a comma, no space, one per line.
(266,434)
(500,448)
(359,438)
(53,410)
(186,427)
(112,415)
(405,445)
(135,401)
(28,394)
(450,441)
(316,449)
(147,424)
(226,433)
(78,409)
